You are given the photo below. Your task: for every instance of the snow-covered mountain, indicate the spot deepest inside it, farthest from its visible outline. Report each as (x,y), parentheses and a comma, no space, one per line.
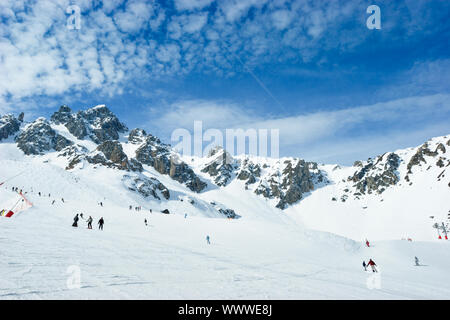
(257,211)
(96,138)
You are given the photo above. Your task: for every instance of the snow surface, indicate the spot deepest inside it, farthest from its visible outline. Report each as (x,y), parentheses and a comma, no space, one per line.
(266,254)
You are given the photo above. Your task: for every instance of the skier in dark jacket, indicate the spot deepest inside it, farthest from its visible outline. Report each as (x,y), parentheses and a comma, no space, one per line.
(101,222)
(372,264)
(89,222)
(207,239)
(75,221)
(364,266)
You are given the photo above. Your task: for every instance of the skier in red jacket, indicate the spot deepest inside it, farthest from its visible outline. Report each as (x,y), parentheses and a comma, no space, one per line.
(367,243)
(372,264)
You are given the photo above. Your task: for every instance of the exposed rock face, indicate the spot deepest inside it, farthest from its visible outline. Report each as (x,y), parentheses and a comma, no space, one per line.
(229,213)
(377,174)
(159,156)
(111,155)
(74,154)
(137,136)
(419,157)
(220,167)
(147,187)
(9,125)
(249,172)
(39,137)
(98,123)
(291,183)
(182,173)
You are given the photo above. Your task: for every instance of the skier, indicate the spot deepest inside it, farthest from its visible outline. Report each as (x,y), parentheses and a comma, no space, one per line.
(367,243)
(131,207)
(101,204)
(185,215)
(62,199)
(417,261)
(39,193)
(364,266)
(75,221)
(53,202)
(81,215)
(372,264)
(89,222)
(101,222)
(207,239)
(145,221)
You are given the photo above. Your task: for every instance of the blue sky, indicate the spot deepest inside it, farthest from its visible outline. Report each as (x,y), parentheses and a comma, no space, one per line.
(337,91)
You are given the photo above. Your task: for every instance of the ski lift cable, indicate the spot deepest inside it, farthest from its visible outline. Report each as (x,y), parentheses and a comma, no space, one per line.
(1,183)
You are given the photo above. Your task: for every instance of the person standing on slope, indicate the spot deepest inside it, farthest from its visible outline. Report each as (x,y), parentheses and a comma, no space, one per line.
(372,264)
(367,243)
(75,221)
(364,266)
(89,222)
(145,221)
(417,261)
(207,239)
(101,222)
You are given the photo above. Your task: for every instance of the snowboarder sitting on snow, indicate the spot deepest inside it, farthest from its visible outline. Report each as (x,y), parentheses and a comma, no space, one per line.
(372,264)
(89,222)
(364,266)
(75,221)
(101,222)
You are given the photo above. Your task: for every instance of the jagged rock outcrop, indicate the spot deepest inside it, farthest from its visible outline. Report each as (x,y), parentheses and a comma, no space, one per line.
(137,136)
(146,186)
(424,150)
(9,125)
(291,183)
(220,167)
(97,123)
(159,156)
(110,153)
(39,137)
(229,213)
(249,172)
(377,174)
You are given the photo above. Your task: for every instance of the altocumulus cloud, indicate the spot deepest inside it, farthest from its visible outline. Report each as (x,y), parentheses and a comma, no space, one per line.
(121,41)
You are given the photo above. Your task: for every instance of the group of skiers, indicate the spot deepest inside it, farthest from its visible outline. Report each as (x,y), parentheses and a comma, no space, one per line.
(373,265)
(89,221)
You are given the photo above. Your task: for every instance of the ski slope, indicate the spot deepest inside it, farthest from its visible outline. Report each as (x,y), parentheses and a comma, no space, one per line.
(266,254)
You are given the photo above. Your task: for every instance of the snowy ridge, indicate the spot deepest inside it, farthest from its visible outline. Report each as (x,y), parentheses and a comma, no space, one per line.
(280,228)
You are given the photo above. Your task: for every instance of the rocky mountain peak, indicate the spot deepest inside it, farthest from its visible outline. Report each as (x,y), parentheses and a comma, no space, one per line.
(97,123)
(38,137)
(9,125)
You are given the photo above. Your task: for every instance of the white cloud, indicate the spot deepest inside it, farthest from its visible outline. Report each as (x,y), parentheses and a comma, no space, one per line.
(281,18)
(323,136)
(191,4)
(135,16)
